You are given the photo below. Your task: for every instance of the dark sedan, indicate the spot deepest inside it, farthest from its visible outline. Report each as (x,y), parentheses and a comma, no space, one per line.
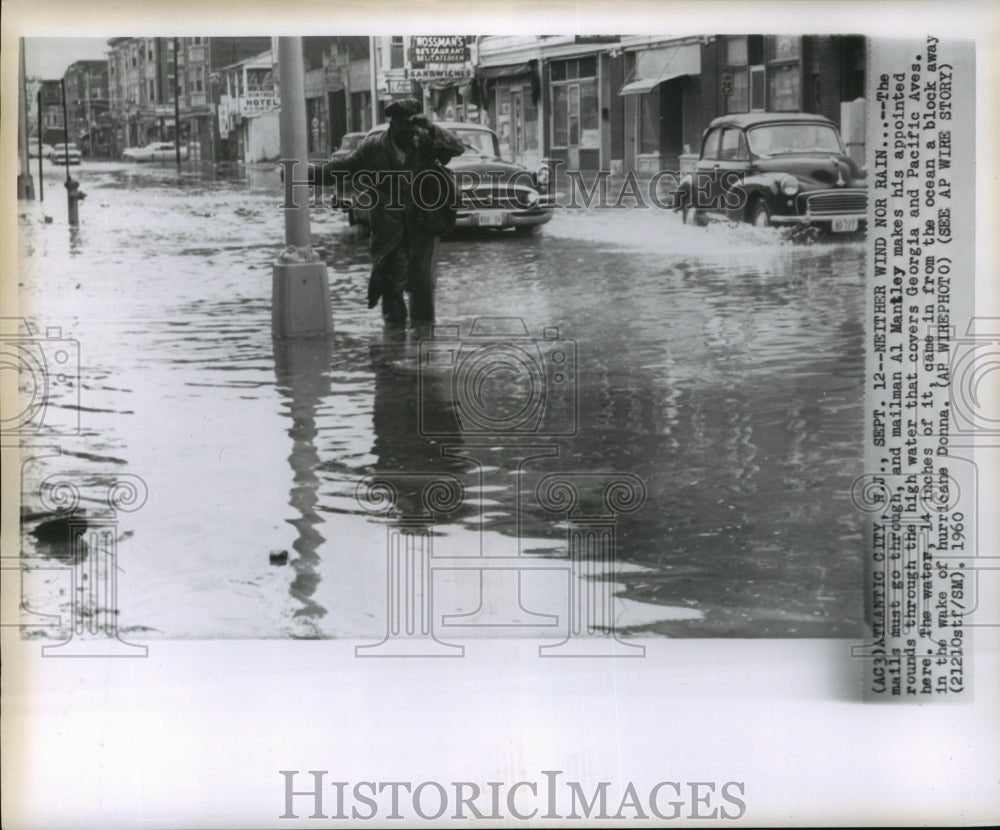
(495,194)
(775,169)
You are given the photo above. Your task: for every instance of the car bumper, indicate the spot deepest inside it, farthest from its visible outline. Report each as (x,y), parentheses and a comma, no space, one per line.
(831,219)
(500,219)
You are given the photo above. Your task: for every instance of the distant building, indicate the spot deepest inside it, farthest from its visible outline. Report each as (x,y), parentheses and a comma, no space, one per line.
(145,74)
(32,86)
(88,106)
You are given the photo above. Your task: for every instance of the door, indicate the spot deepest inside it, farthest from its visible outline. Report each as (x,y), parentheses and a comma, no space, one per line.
(731,169)
(705,174)
(573,125)
(517,124)
(337,106)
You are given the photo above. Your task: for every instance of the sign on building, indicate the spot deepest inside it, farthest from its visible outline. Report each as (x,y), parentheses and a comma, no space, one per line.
(439,58)
(438,49)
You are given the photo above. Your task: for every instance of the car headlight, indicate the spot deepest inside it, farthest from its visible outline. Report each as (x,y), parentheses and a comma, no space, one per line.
(529,198)
(789,185)
(543,174)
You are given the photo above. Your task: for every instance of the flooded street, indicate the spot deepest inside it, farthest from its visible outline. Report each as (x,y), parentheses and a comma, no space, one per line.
(721,367)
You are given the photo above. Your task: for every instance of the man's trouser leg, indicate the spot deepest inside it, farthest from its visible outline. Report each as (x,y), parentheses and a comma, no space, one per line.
(422,276)
(393,283)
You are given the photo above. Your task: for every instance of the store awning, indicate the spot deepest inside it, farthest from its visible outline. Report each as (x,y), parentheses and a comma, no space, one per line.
(488,72)
(665,63)
(648,84)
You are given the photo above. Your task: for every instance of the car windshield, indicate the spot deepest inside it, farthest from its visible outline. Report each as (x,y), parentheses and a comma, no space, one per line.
(479,142)
(775,139)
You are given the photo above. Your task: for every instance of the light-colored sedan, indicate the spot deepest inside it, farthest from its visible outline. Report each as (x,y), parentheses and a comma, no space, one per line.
(157,151)
(66,154)
(47,149)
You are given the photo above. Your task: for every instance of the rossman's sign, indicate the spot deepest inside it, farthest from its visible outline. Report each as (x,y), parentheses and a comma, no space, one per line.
(438,49)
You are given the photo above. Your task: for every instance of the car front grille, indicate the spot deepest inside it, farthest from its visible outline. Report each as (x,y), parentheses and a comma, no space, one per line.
(837,201)
(498,198)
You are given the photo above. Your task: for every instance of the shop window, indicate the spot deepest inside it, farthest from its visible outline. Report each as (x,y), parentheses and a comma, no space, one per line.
(396,53)
(575,115)
(784,73)
(589,117)
(560,116)
(783,87)
(738,99)
(783,48)
(530,119)
(574,69)
(736,50)
(757,101)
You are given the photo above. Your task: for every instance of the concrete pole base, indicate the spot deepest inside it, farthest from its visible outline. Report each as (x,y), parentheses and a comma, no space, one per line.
(25,187)
(300,304)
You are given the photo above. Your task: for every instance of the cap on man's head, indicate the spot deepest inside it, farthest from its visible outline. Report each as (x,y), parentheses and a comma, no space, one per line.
(404,107)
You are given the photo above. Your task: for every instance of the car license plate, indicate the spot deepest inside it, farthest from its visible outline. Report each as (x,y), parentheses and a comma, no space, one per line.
(492,219)
(844,225)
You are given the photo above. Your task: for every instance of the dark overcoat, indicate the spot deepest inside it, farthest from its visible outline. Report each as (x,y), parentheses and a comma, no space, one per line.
(403,243)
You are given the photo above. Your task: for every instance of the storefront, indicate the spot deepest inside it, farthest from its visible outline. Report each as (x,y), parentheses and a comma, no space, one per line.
(512,98)
(575,123)
(662,99)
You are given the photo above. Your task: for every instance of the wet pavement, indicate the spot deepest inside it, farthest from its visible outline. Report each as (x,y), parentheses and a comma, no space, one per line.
(721,367)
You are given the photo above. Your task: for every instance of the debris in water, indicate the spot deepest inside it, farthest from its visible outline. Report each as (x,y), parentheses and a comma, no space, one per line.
(278,557)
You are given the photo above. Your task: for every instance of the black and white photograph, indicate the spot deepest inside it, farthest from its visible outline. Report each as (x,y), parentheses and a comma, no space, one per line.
(427,415)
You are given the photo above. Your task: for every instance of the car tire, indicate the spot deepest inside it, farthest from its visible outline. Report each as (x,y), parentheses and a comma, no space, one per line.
(760,214)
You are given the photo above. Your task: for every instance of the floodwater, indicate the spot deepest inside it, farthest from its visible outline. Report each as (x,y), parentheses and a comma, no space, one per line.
(721,368)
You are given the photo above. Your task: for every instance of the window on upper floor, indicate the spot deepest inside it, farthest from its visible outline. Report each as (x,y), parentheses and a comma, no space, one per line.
(396,53)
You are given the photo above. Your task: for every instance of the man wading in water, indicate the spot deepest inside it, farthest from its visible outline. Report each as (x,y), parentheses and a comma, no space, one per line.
(404,234)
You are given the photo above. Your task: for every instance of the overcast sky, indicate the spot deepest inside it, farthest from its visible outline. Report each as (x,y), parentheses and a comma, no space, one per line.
(48,57)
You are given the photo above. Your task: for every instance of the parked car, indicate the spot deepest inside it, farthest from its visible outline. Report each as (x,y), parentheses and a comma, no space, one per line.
(348,144)
(61,152)
(770,168)
(157,151)
(495,194)
(47,149)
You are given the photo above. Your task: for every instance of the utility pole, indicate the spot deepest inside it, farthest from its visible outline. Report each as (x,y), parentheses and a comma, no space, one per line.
(300,293)
(373,78)
(25,186)
(41,181)
(177,101)
(90,119)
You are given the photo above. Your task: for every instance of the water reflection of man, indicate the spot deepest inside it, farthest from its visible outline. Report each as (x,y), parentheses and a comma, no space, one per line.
(403,241)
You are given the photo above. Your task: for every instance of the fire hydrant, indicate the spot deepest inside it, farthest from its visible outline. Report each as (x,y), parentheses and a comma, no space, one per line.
(74,196)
